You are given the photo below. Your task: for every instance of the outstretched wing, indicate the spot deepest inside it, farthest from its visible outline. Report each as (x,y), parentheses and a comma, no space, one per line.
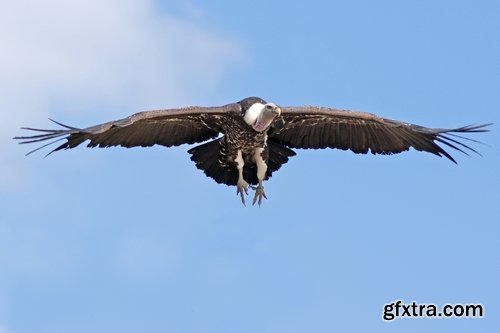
(170,127)
(319,127)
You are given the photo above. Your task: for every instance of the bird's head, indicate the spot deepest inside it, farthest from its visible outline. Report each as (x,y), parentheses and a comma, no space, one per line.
(260,114)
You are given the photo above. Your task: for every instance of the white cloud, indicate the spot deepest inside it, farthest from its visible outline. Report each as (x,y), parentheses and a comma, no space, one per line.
(84,53)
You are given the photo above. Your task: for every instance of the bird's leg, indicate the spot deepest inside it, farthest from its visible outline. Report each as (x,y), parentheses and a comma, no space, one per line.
(261,174)
(242,185)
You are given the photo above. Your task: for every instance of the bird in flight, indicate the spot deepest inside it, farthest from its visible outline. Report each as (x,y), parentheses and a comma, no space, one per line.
(243,143)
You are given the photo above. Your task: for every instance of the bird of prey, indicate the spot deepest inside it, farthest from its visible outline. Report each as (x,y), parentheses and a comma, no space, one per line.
(245,142)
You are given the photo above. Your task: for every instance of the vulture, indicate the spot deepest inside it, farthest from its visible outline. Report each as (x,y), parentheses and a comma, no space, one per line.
(243,143)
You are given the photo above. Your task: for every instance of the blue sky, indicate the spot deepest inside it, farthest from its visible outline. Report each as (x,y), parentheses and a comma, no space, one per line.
(140,240)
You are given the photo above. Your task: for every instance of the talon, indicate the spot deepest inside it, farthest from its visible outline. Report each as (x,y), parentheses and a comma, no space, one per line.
(259,194)
(242,189)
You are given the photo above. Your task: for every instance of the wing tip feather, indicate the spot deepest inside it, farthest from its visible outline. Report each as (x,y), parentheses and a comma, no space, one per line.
(58,134)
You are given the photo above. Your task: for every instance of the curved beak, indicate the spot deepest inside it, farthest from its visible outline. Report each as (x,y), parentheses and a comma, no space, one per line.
(266,118)
(277,109)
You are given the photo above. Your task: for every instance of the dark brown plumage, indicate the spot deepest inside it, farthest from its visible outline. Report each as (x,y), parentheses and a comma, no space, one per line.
(171,127)
(319,127)
(257,137)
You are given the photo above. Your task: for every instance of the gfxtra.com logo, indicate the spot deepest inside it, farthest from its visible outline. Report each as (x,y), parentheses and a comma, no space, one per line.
(398,309)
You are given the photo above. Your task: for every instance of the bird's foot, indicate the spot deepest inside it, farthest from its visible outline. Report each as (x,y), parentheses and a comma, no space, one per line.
(242,190)
(259,194)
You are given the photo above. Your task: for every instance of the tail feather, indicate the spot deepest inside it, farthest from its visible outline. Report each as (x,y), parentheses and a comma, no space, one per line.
(278,155)
(207,158)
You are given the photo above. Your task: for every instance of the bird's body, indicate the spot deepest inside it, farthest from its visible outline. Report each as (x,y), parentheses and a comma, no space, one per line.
(247,141)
